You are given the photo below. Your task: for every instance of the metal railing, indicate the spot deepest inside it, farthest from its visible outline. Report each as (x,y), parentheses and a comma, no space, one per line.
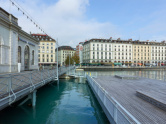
(119,114)
(13,84)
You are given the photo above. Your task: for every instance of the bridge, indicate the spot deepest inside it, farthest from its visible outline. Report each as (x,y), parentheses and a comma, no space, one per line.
(15,86)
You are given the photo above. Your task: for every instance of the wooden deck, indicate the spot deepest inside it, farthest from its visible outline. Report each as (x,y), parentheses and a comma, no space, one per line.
(124,91)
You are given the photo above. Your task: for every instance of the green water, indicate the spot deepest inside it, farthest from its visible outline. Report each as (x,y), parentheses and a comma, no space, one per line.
(72,102)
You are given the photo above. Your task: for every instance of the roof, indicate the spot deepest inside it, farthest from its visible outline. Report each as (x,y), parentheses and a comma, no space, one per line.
(65,48)
(129,41)
(43,37)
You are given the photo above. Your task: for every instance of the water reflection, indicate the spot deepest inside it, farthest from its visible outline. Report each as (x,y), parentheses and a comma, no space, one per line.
(70,103)
(158,75)
(77,105)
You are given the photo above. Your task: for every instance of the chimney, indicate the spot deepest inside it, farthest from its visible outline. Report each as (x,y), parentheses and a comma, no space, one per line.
(110,38)
(118,39)
(130,39)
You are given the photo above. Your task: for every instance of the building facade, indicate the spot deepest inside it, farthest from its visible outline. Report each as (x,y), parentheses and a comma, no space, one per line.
(158,52)
(141,52)
(63,52)
(79,51)
(16,46)
(46,51)
(124,51)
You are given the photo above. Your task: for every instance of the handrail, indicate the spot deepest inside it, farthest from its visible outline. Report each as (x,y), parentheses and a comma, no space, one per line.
(14,83)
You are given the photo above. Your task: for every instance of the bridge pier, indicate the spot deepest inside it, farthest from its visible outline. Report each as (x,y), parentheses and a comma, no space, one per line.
(31,96)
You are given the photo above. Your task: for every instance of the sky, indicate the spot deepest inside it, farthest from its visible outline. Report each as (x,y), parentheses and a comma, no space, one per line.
(74,21)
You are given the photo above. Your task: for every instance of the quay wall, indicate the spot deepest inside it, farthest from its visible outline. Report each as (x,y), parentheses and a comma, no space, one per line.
(98,68)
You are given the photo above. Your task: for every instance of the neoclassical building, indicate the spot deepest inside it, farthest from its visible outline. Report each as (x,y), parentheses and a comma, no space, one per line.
(63,52)
(46,50)
(79,50)
(16,46)
(124,51)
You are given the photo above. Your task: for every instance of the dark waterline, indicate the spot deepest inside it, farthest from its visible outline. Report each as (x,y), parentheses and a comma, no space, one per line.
(72,102)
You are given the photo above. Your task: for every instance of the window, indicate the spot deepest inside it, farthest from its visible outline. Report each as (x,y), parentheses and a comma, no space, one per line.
(19,54)
(33,56)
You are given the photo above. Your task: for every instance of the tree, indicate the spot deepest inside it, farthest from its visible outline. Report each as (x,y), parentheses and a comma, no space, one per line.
(67,61)
(73,59)
(76,58)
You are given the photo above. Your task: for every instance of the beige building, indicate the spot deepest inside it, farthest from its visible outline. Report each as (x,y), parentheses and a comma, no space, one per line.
(46,51)
(63,52)
(141,52)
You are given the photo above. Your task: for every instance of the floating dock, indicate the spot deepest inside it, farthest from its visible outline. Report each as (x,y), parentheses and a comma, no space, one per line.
(131,99)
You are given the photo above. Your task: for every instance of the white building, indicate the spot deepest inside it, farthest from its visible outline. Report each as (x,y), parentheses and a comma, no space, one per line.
(122,51)
(63,52)
(107,51)
(79,51)
(16,46)
(158,53)
(97,50)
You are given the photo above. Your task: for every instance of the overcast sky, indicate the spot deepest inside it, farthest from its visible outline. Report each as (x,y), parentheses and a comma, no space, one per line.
(74,21)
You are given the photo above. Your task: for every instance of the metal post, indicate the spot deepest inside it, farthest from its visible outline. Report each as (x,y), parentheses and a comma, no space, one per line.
(9,87)
(57,63)
(115,113)
(69,64)
(34,98)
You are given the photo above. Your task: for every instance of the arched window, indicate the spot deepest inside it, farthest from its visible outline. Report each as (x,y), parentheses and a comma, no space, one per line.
(26,57)
(33,57)
(19,54)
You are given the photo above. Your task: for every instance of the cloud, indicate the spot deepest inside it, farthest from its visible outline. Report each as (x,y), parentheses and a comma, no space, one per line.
(65,20)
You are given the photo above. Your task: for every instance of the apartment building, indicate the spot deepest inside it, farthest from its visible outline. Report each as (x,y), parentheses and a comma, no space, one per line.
(107,51)
(124,51)
(79,51)
(141,52)
(97,50)
(63,52)
(46,51)
(158,52)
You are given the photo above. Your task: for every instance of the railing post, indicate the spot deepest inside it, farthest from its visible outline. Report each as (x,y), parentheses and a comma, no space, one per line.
(49,74)
(31,82)
(42,78)
(9,87)
(115,113)
(32,85)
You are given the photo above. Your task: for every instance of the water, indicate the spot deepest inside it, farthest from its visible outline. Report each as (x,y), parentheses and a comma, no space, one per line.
(157,75)
(72,102)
